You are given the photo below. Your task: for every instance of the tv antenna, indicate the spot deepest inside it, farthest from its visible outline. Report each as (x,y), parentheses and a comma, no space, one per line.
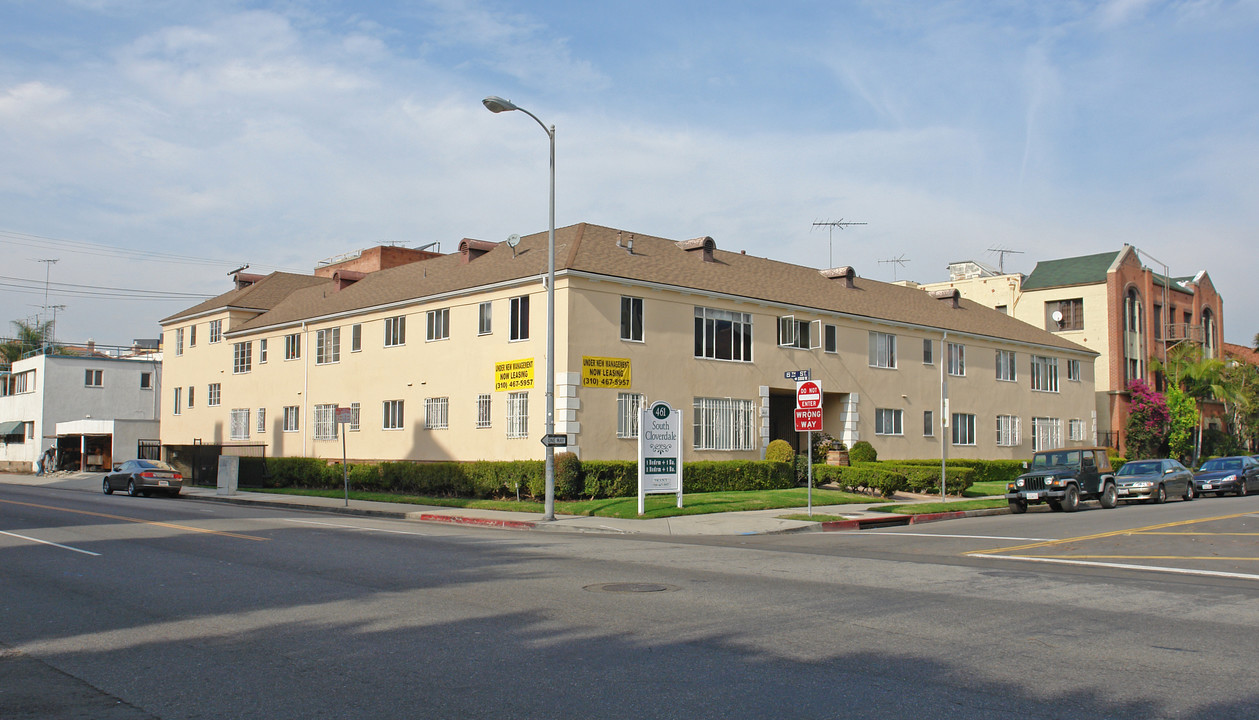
(831,225)
(896,261)
(1001,253)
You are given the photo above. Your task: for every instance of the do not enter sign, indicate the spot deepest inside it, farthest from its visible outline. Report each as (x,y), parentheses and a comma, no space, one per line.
(808,395)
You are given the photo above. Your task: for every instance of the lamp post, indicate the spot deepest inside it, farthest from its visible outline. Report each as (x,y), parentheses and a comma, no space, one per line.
(497,104)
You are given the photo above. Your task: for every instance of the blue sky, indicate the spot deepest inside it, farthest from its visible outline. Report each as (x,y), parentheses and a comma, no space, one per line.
(160,143)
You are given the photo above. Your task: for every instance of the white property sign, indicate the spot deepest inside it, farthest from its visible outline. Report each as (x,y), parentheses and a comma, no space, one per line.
(659,452)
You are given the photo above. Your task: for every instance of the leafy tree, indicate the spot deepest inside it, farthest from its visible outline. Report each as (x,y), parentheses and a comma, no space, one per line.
(1183,419)
(1147,421)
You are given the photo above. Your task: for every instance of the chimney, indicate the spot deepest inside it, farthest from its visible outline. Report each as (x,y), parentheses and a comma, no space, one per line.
(341,279)
(705,244)
(845,273)
(952,295)
(244,280)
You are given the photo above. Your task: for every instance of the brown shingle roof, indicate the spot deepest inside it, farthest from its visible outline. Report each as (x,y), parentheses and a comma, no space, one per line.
(262,295)
(593,250)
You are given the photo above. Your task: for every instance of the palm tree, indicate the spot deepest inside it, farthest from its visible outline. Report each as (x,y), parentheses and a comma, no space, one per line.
(1256,341)
(30,336)
(1204,379)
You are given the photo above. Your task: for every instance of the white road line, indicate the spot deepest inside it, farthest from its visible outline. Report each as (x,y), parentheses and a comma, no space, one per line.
(353,527)
(939,535)
(47,542)
(1123,566)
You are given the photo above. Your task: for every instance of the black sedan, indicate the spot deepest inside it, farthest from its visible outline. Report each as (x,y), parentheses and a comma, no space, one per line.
(144,477)
(1154,480)
(1237,474)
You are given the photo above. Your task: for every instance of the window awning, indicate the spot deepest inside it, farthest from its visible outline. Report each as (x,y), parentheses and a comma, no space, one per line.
(12,427)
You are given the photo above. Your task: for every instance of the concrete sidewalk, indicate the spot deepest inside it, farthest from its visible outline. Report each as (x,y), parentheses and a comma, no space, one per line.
(752,522)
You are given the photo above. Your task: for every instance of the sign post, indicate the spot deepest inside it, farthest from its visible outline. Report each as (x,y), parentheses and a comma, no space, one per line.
(659,452)
(344,417)
(808,419)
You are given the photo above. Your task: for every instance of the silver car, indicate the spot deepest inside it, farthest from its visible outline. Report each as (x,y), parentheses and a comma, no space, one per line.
(1154,480)
(143,477)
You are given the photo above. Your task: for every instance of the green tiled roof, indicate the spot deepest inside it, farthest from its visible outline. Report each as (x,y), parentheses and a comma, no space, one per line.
(1070,271)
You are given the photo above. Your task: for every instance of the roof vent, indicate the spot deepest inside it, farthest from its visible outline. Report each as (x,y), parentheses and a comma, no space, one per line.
(952,295)
(846,273)
(472,249)
(342,279)
(706,244)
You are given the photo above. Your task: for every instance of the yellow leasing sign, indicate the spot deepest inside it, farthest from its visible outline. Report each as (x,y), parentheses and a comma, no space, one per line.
(513,375)
(602,372)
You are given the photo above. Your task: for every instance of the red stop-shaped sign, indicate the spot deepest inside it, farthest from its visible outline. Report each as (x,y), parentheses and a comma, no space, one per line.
(808,395)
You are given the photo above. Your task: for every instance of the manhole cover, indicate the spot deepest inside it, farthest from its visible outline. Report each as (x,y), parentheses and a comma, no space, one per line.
(630,587)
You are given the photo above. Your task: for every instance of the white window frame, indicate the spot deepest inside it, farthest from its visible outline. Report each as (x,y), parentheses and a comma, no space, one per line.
(146,381)
(238,427)
(353,425)
(394,415)
(1073,370)
(724,424)
(957,359)
(1046,433)
(1009,431)
(328,346)
(356,337)
(518,415)
(262,421)
(882,350)
(262,351)
(214,395)
(395,331)
(484,406)
(889,421)
(485,318)
(94,378)
(708,323)
(801,334)
(1007,366)
(1044,374)
(216,331)
(962,426)
(177,405)
(293,346)
(242,357)
(292,418)
(436,413)
(928,423)
(179,341)
(324,421)
(632,321)
(928,351)
(830,339)
(628,406)
(437,325)
(519,319)
(1076,431)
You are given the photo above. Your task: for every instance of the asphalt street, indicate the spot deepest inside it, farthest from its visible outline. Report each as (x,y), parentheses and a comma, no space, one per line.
(117,607)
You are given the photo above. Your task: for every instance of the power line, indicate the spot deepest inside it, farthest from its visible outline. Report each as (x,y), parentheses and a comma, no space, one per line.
(102,291)
(80,247)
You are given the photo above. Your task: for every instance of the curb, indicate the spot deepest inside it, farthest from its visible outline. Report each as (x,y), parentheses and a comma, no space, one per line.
(882,521)
(366,512)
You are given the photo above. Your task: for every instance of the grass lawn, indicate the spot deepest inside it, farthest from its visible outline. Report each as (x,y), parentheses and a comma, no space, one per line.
(954,506)
(984,489)
(658,506)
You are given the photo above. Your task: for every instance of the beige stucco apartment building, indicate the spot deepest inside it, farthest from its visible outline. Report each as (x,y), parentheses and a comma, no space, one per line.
(440,357)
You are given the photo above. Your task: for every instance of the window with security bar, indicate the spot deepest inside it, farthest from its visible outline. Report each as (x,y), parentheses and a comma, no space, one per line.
(723,424)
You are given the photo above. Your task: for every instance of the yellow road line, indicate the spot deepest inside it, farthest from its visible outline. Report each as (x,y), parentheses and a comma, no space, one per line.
(1146,557)
(1200,534)
(141,522)
(1113,533)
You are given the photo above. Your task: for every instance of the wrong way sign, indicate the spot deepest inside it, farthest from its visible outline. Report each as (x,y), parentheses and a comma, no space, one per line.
(808,420)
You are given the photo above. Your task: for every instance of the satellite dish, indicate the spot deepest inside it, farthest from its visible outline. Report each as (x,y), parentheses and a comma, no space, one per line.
(1057,316)
(513,240)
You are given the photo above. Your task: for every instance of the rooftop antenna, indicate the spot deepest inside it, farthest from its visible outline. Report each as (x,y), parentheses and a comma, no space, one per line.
(831,225)
(240,269)
(896,261)
(1001,253)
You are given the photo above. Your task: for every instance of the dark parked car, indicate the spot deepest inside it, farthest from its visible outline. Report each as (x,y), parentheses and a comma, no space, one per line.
(143,477)
(1154,480)
(1236,474)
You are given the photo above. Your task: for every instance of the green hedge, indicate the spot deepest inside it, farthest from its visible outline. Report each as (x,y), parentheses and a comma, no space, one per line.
(926,479)
(866,478)
(487,479)
(982,470)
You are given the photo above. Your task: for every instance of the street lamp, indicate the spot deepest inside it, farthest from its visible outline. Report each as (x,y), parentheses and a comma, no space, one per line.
(497,104)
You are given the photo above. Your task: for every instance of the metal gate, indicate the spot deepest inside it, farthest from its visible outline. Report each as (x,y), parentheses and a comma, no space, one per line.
(149,450)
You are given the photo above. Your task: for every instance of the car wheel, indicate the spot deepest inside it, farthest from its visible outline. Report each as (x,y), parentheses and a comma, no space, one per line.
(132,490)
(1161,496)
(1241,489)
(1071,501)
(1018,507)
(1190,492)
(1110,497)
(106,487)
(1055,505)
